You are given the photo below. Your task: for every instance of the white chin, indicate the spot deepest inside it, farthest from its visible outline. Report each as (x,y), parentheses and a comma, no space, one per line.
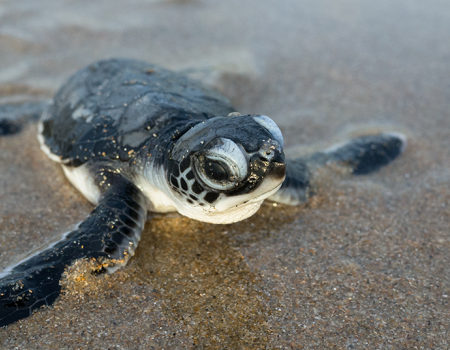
(225,217)
(233,209)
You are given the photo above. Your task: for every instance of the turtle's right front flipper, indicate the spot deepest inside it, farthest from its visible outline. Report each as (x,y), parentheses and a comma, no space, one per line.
(111,231)
(358,156)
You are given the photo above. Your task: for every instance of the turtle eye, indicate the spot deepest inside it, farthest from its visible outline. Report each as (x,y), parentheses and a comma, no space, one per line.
(215,171)
(221,165)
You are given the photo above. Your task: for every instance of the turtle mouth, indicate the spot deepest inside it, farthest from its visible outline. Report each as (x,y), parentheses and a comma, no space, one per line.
(265,189)
(265,195)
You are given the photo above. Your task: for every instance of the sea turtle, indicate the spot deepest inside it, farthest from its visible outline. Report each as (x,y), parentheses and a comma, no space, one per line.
(134,137)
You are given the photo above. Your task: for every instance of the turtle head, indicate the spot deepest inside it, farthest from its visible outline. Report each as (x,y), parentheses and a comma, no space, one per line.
(222,169)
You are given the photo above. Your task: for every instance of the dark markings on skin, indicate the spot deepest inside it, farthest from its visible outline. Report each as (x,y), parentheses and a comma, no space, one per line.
(185,164)
(110,247)
(197,188)
(116,237)
(184,185)
(193,197)
(127,221)
(175,171)
(133,215)
(211,197)
(190,175)
(190,201)
(126,231)
(174,181)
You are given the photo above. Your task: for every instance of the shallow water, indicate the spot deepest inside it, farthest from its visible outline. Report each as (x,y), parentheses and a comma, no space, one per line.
(362,266)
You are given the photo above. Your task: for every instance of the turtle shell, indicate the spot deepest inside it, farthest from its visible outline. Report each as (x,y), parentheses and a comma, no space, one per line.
(109,109)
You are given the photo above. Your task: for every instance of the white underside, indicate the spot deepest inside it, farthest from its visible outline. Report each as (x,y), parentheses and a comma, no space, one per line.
(79,177)
(83,181)
(154,186)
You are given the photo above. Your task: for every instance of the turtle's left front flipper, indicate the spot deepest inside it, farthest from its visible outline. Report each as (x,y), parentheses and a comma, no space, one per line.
(358,156)
(111,233)
(14,115)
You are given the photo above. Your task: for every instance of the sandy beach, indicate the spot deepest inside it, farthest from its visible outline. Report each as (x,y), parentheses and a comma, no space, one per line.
(362,265)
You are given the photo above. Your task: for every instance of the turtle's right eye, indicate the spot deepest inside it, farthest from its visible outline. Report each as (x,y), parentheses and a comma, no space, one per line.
(221,165)
(215,171)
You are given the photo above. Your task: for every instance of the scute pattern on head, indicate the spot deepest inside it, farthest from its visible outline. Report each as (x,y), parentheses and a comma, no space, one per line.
(242,130)
(187,188)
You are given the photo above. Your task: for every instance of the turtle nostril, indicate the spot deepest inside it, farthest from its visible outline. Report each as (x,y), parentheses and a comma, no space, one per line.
(269,149)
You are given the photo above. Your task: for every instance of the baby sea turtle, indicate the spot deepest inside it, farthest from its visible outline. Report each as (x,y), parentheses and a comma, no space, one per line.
(133,137)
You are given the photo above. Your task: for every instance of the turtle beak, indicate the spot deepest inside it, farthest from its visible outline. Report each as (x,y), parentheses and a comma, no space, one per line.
(278,165)
(279,158)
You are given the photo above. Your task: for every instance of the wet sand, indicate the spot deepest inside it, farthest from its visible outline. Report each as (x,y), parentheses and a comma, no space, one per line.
(363,265)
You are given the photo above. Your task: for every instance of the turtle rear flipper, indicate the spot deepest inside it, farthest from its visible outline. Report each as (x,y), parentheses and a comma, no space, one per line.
(358,156)
(110,233)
